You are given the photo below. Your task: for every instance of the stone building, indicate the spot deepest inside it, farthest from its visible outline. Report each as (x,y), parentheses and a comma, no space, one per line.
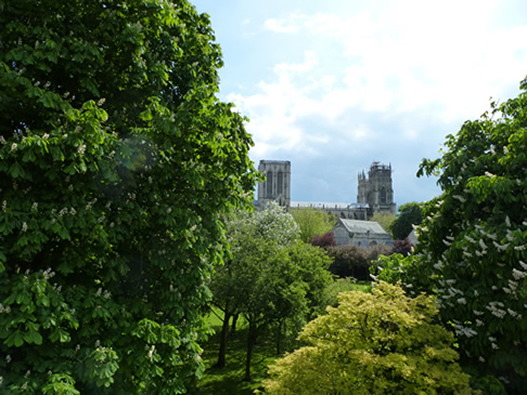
(277,185)
(360,233)
(375,189)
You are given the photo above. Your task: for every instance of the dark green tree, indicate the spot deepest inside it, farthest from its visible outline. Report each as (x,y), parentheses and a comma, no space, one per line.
(354,261)
(117,163)
(410,214)
(473,240)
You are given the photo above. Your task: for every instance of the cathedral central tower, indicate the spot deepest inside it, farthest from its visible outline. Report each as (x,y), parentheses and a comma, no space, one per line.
(375,189)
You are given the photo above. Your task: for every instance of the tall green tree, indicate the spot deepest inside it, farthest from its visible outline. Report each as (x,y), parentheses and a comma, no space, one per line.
(474,237)
(272,278)
(410,214)
(312,222)
(372,343)
(254,239)
(117,163)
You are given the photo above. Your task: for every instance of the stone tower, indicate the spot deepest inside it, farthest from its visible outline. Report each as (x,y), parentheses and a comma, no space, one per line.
(277,185)
(376,190)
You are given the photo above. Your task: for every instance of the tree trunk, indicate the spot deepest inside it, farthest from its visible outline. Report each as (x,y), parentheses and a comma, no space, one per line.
(234,321)
(279,338)
(251,340)
(223,340)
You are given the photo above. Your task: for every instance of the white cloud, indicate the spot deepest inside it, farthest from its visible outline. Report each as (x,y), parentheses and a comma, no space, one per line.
(414,68)
(284,25)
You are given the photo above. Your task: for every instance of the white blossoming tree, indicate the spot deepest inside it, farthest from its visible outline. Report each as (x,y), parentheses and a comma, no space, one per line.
(474,237)
(117,165)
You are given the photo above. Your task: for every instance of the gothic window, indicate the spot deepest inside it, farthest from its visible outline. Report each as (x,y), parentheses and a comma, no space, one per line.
(383,195)
(280,183)
(269,183)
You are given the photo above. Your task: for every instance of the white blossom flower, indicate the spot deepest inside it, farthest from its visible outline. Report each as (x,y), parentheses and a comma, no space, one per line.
(500,246)
(81,149)
(2,140)
(151,352)
(517,274)
(489,174)
(24,226)
(14,146)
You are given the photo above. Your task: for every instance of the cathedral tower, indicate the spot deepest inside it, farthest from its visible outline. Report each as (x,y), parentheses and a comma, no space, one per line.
(376,190)
(277,186)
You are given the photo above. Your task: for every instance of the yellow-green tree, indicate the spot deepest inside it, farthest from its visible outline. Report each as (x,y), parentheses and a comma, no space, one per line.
(312,222)
(384,219)
(383,342)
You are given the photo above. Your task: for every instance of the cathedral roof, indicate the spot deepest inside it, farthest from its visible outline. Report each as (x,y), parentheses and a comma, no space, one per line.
(329,205)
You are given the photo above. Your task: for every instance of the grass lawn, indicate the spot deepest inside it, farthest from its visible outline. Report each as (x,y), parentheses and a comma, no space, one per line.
(229,380)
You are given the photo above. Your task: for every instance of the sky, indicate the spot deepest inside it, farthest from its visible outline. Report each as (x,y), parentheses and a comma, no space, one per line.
(335,85)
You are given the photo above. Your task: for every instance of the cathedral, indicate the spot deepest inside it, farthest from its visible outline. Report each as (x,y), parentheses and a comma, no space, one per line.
(375,192)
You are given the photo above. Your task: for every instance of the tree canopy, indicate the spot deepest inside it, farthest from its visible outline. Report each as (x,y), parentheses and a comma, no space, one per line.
(117,163)
(473,240)
(312,222)
(410,214)
(385,219)
(383,342)
(271,276)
